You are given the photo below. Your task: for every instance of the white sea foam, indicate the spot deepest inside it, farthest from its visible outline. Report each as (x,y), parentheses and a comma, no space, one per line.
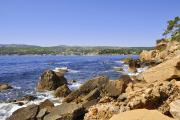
(6,109)
(119,61)
(139,70)
(75,86)
(73,71)
(16,87)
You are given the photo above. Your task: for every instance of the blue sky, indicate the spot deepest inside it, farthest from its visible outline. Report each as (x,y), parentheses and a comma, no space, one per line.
(85,22)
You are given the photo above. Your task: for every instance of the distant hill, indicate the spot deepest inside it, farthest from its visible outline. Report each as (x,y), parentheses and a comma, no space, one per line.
(21,49)
(17,45)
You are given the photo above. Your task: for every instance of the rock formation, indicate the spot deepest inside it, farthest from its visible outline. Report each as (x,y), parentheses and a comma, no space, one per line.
(50,81)
(167,70)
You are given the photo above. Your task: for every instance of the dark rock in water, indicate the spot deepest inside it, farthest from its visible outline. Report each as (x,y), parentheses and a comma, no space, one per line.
(50,81)
(27,98)
(114,88)
(46,104)
(133,66)
(62,91)
(118,69)
(4,86)
(66,111)
(87,87)
(26,113)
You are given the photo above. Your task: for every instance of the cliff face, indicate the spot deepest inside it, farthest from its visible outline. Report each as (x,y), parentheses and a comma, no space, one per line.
(164,50)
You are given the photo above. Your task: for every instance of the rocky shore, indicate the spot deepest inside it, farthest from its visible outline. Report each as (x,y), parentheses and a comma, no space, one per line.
(151,95)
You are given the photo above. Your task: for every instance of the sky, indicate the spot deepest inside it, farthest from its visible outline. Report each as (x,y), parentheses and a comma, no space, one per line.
(124,23)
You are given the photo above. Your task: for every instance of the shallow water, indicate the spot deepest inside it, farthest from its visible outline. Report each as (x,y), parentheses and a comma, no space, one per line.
(22,72)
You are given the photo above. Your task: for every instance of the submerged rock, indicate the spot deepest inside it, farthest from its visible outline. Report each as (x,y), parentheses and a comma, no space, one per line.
(50,81)
(4,86)
(27,98)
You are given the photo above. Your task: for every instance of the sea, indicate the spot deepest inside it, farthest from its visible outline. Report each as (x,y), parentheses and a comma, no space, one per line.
(23,72)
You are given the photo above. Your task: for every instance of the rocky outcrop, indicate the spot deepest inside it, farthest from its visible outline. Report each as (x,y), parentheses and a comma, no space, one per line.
(141,114)
(163,51)
(147,55)
(50,81)
(62,91)
(4,86)
(26,113)
(86,88)
(65,111)
(138,95)
(175,109)
(167,70)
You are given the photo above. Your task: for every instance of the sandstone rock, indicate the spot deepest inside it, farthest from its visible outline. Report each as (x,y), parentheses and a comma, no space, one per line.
(175,109)
(65,111)
(62,91)
(116,87)
(87,87)
(46,104)
(147,55)
(167,70)
(101,111)
(26,113)
(4,87)
(141,114)
(50,81)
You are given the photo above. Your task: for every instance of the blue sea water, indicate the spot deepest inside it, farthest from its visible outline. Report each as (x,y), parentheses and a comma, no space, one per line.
(22,72)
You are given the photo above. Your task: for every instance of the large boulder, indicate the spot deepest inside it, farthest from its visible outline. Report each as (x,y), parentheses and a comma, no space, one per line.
(26,113)
(167,70)
(175,109)
(141,114)
(50,81)
(65,111)
(87,87)
(114,88)
(62,91)
(4,86)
